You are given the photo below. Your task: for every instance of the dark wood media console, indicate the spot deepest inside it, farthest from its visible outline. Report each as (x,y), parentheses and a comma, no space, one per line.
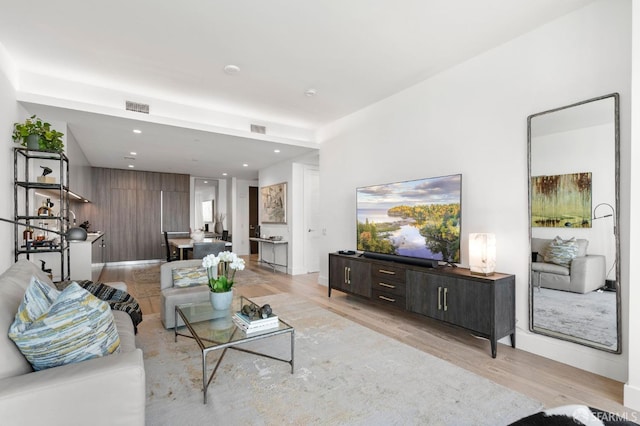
(483,305)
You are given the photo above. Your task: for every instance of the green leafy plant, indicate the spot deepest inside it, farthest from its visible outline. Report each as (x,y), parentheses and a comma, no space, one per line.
(48,138)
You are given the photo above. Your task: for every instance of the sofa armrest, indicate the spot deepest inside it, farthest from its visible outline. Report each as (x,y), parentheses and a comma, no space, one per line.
(588,273)
(102,391)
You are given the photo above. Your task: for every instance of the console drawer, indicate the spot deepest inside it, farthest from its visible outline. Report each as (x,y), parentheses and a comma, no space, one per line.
(389,299)
(391,287)
(388,274)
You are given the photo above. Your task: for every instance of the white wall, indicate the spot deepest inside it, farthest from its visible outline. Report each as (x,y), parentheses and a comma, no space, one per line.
(471,119)
(10,113)
(632,388)
(80,174)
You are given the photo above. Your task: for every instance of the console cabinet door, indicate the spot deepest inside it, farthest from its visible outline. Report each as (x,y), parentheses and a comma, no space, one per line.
(338,273)
(456,301)
(350,275)
(468,304)
(424,294)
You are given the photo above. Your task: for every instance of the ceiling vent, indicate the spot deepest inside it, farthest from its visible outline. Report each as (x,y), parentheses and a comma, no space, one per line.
(137,107)
(258,129)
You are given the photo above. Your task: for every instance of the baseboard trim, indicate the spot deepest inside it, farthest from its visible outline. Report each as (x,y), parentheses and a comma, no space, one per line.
(632,399)
(134,262)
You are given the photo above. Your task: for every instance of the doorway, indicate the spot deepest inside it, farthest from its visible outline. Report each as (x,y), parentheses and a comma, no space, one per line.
(311,208)
(253,218)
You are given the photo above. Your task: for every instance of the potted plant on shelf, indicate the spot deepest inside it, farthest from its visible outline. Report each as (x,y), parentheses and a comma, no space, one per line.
(221,271)
(36,134)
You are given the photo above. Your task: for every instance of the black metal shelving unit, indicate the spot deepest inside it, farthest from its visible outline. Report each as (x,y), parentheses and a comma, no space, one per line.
(25,187)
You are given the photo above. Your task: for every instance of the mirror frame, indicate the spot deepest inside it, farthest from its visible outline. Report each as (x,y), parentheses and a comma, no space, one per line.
(618,349)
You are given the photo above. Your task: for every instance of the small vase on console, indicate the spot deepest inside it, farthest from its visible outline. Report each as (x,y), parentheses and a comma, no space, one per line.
(197,235)
(218,228)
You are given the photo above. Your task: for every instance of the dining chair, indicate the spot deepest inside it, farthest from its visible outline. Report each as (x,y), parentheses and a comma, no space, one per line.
(172,254)
(202,249)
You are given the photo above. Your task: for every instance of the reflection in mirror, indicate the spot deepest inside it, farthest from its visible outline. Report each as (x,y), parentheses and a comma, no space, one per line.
(573,210)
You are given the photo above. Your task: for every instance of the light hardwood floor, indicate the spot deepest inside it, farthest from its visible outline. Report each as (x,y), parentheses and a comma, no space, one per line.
(547,381)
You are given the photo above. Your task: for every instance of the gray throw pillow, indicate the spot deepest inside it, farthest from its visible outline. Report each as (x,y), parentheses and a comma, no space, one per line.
(561,252)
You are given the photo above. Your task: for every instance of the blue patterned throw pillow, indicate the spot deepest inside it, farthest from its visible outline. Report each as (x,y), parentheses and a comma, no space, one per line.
(561,252)
(55,328)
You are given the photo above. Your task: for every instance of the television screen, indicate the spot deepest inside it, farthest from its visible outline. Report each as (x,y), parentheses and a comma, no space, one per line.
(414,219)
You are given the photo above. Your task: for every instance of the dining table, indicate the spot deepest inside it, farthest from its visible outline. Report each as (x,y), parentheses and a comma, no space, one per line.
(185,244)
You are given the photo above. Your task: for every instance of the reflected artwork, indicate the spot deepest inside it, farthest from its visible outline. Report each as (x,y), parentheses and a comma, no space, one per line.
(561,201)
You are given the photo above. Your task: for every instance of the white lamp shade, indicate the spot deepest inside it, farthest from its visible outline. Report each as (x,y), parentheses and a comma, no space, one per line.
(482,254)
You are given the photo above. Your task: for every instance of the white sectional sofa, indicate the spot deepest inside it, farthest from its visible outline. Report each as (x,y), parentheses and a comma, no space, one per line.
(102,391)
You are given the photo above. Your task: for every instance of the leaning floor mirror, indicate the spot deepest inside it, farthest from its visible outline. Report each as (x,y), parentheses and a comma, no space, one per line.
(573,215)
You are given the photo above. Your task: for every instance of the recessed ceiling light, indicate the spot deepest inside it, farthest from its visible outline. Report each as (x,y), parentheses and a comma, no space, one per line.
(133,153)
(310,92)
(224,174)
(206,181)
(276,151)
(137,131)
(245,165)
(231,69)
(131,166)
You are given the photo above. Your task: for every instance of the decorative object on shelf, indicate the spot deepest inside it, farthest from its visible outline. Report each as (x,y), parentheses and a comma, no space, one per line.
(27,234)
(45,209)
(482,254)
(44,178)
(219,227)
(274,203)
(35,134)
(73,234)
(197,235)
(221,271)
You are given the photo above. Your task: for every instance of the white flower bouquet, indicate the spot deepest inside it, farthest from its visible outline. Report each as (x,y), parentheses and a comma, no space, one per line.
(218,269)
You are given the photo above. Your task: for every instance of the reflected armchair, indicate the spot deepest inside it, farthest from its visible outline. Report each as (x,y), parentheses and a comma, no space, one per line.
(585,273)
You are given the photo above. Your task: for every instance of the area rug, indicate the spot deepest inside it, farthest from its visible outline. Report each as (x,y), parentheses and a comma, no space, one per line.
(147,274)
(345,374)
(590,316)
(146,280)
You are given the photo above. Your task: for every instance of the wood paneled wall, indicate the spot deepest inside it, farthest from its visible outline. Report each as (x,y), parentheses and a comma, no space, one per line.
(133,208)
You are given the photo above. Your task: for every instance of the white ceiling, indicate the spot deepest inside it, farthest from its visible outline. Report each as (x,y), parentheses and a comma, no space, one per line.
(353,53)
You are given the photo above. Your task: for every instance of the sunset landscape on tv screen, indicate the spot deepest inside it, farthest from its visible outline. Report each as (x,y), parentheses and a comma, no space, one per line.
(417,219)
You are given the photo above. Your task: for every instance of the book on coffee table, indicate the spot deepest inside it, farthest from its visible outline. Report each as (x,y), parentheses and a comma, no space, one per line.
(247,324)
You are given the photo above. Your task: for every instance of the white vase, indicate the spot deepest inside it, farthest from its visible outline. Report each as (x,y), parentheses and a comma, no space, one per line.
(221,301)
(197,235)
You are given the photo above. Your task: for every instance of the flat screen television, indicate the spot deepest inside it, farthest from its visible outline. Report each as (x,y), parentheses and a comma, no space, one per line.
(415,221)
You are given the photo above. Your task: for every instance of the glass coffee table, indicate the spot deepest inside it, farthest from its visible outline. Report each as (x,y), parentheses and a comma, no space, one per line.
(215,330)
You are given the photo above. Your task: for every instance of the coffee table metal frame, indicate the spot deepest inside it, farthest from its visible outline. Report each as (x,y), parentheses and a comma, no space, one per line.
(236,338)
